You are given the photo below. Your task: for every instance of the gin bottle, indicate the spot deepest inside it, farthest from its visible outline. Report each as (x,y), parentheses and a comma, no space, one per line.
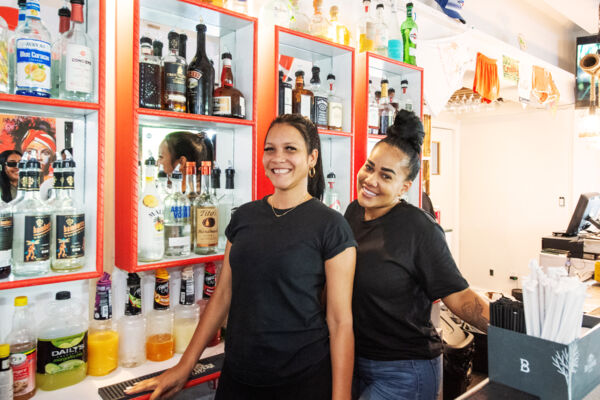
(177,219)
(207,218)
(330,197)
(68,225)
(150,218)
(77,59)
(12,46)
(319,111)
(33,45)
(409,36)
(64,16)
(32,227)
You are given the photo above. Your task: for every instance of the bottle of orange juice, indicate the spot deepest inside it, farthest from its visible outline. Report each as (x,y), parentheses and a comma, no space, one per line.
(159,330)
(103,340)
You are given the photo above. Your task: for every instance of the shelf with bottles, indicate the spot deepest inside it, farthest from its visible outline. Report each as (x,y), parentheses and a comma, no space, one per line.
(229,41)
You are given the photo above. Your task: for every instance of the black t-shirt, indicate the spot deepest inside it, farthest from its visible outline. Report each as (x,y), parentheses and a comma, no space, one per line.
(276,331)
(403,264)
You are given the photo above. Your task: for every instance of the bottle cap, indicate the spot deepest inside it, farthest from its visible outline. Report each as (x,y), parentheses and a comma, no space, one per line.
(162,273)
(391,90)
(379,6)
(316,70)
(404,83)
(64,295)
(4,351)
(201,28)
(146,40)
(68,163)
(104,280)
(330,77)
(409,4)
(62,12)
(173,35)
(150,161)
(331,175)
(20,301)
(77,2)
(157,46)
(226,55)
(182,37)
(32,163)
(384,81)
(133,279)
(299,73)
(229,176)
(22,3)
(334,10)
(210,267)
(216,177)
(378,93)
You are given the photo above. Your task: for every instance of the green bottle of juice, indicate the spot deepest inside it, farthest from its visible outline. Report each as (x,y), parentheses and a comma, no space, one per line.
(62,344)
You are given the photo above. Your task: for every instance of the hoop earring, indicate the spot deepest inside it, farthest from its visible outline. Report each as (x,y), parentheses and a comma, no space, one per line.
(312,172)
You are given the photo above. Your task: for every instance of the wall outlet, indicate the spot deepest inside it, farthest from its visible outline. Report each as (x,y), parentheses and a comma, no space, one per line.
(491,272)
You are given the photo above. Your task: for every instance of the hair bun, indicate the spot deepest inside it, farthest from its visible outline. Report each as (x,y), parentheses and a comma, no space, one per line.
(407,126)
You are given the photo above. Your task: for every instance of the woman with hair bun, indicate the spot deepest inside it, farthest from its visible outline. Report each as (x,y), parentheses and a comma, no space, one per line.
(178,148)
(403,264)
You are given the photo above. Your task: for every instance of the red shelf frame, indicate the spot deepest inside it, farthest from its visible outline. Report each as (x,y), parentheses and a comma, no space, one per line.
(361,79)
(100,108)
(127,115)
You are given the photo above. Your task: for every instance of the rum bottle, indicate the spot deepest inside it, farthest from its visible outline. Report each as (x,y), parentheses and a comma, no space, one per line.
(334,107)
(150,218)
(285,96)
(207,216)
(77,59)
(302,99)
(319,111)
(177,219)
(200,83)
(174,71)
(228,101)
(162,183)
(410,33)
(68,225)
(150,75)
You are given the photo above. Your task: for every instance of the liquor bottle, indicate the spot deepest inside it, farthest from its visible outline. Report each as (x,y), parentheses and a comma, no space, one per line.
(64,17)
(174,71)
(319,112)
(150,75)
(132,326)
(330,197)
(12,46)
(300,21)
(68,225)
(392,97)
(32,227)
(157,49)
(373,115)
(319,26)
(187,313)
(302,99)
(183,46)
(103,340)
(227,204)
(285,96)
(177,219)
(386,111)
(33,44)
(335,107)
(409,37)
(159,333)
(162,183)
(23,350)
(276,12)
(240,6)
(200,78)
(365,29)
(150,218)
(337,32)
(207,218)
(215,182)
(405,102)
(395,34)
(4,56)
(6,238)
(77,59)
(191,194)
(228,101)
(381,34)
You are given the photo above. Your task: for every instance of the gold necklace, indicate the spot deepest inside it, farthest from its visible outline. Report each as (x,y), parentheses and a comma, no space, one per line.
(291,209)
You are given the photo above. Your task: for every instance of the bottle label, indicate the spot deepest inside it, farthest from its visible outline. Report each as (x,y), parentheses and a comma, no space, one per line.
(175,80)
(178,237)
(412,38)
(33,181)
(23,367)
(207,229)
(33,66)
(103,303)
(242,108)
(320,111)
(23,180)
(335,115)
(373,116)
(305,105)
(33,9)
(134,300)
(161,294)
(79,69)
(64,354)
(335,205)
(180,212)
(70,236)
(37,238)
(4,65)
(6,232)
(210,281)
(68,180)
(150,85)
(186,295)
(151,223)
(222,105)
(287,100)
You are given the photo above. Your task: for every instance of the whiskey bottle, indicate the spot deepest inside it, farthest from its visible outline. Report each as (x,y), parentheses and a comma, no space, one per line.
(33,43)
(319,26)
(334,107)
(285,96)
(77,59)
(228,101)
(302,99)
(68,225)
(177,219)
(174,71)
(319,111)
(200,83)
(64,16)
(207,218)
(150,75)
(191,194)
(12,46)
(150,218)
(32,227)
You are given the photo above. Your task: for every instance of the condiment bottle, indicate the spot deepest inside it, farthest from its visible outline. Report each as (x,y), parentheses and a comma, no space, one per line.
(132,326)
(159,331)
(210,282)
(6,377)
(22,351)
(188,312)
(103,340)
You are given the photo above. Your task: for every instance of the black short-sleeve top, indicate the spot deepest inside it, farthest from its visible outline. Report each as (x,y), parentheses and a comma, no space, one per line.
(403,264)
(276,331)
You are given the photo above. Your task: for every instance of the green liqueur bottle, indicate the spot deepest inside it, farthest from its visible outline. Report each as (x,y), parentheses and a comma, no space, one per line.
(409,30)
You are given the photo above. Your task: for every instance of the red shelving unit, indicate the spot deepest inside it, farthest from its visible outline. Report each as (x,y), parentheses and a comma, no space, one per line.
(91,119)
(226,27)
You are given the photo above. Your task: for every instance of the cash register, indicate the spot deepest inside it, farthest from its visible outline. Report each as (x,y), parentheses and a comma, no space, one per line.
(577,248)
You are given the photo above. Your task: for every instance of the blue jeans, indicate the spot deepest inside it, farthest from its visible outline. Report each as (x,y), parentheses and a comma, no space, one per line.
(397,380)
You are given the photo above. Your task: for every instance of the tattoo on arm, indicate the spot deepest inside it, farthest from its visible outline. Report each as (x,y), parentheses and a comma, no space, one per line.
(472,312)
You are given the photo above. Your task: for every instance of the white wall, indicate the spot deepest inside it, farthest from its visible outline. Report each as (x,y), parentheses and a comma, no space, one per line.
(513,169)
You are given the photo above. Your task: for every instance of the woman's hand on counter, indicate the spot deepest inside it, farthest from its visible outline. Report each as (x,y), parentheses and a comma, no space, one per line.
(166,385)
